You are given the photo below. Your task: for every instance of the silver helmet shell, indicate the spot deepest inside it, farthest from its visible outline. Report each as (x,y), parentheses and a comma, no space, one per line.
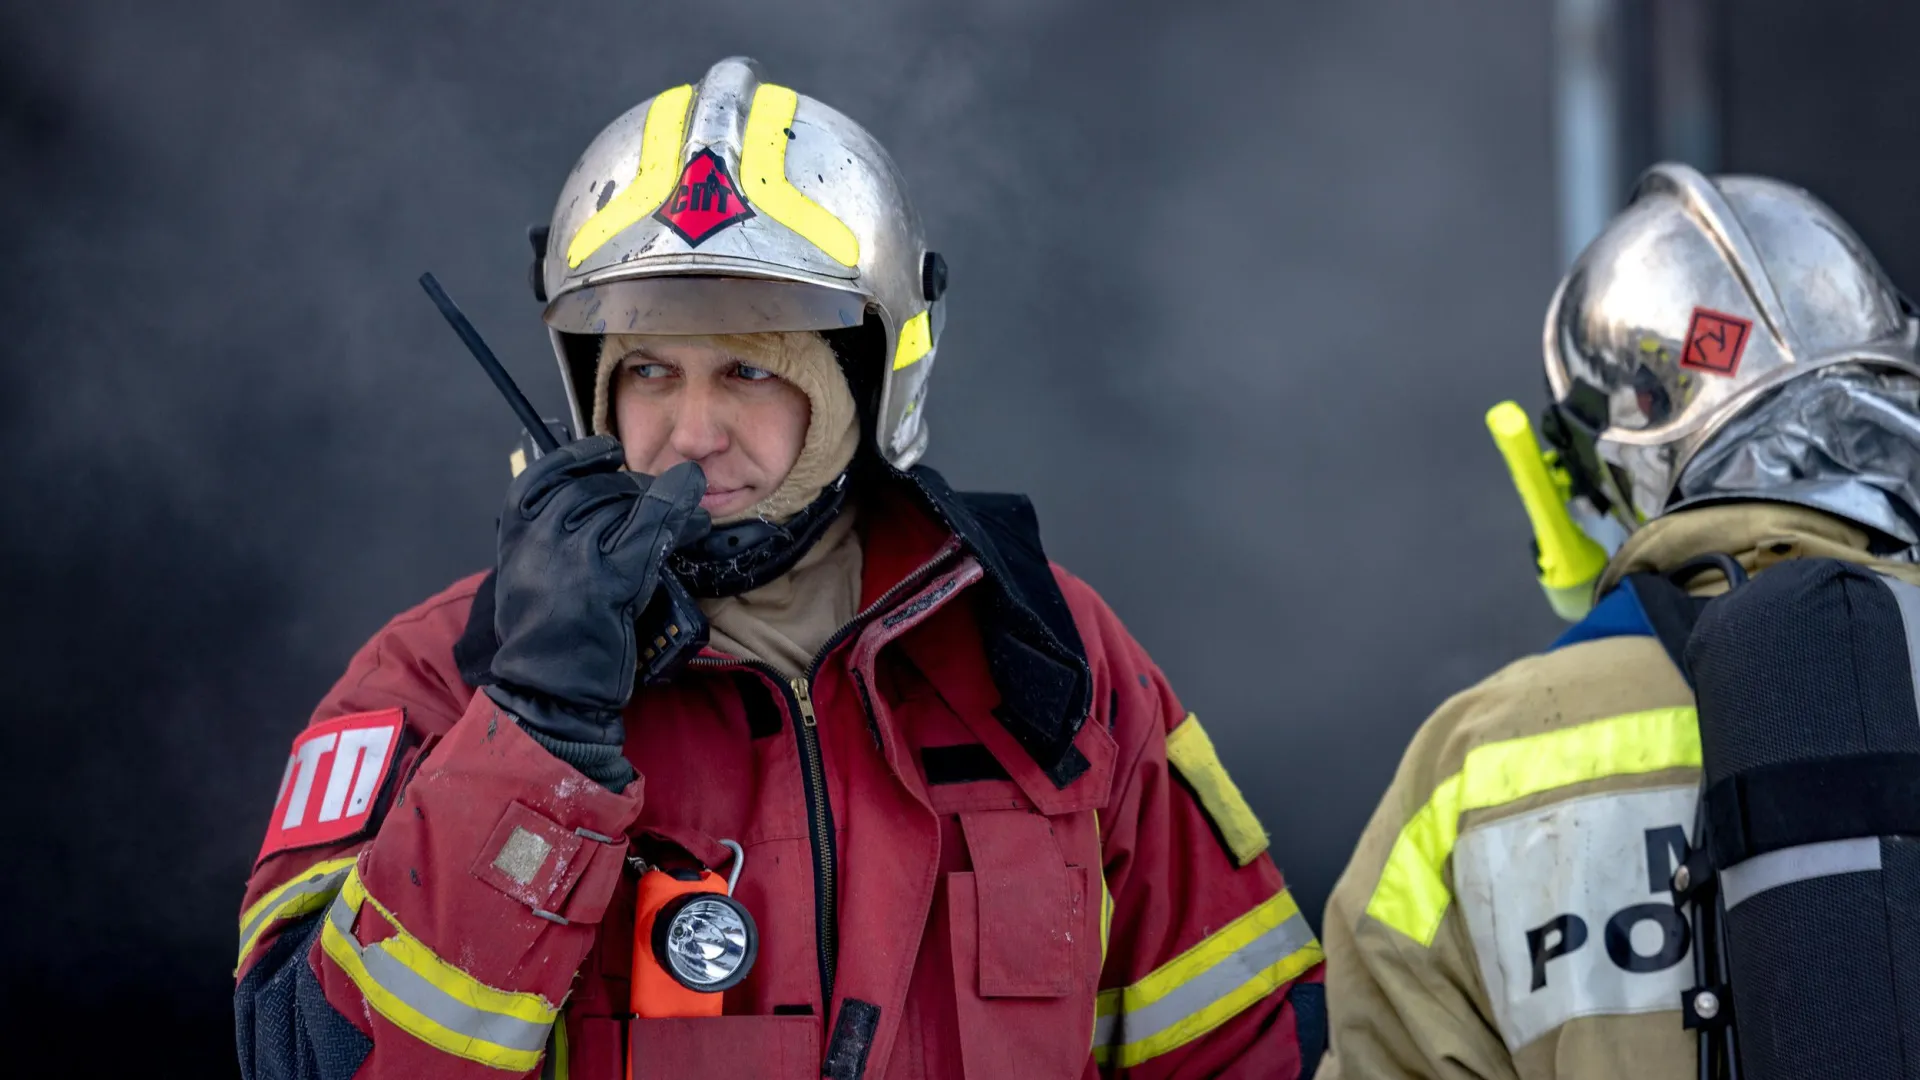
(734,205)
(1698,298)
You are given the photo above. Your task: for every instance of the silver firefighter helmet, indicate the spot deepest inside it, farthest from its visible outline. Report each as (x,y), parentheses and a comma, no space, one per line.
(734,205)
(1697,299)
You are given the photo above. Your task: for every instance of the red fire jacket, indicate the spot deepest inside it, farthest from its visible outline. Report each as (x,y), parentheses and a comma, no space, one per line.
(982,839)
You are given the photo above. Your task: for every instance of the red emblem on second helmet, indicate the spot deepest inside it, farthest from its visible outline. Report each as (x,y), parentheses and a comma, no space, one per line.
(1715,341)
(704,202)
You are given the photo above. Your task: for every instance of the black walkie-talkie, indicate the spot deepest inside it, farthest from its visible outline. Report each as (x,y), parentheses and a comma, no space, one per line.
(677,627)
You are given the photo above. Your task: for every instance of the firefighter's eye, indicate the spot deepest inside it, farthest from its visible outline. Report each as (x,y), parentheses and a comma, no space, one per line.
(751,373)
(648,369)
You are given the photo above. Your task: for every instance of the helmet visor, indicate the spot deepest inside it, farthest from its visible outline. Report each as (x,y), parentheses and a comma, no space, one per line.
(703,304)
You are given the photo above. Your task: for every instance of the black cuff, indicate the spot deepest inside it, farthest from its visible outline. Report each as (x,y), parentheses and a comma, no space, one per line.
(592,748)
(559,719)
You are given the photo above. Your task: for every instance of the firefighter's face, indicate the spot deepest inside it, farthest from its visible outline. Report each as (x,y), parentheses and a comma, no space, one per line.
(675,402)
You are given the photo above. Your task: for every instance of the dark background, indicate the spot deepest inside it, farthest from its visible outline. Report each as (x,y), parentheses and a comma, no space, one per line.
(1233,284)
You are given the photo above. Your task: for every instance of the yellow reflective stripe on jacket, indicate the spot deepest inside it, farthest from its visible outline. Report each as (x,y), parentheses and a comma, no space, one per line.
(1106,918)
(1191,754)
(555,1067)
(1106,895)
(1206,986)
(307,893)
(430,999)
(1412,896)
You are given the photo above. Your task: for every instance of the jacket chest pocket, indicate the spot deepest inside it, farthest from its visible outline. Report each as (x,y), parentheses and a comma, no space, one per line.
(1024,929)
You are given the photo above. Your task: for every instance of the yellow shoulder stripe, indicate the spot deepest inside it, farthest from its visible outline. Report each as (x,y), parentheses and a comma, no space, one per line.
(1206,986)
(660,144)
(1191,753)
(763,175)
(1412,896)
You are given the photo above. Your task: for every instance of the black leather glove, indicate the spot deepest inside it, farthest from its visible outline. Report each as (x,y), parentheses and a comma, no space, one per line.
(583,550)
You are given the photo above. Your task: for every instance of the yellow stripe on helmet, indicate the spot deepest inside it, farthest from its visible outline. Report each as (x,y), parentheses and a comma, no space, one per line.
(660,144)
(763,177)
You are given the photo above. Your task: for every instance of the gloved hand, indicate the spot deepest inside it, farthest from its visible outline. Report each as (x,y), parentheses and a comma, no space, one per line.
(583,546)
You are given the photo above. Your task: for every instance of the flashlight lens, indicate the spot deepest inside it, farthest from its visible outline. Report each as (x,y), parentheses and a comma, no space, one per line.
(707,943)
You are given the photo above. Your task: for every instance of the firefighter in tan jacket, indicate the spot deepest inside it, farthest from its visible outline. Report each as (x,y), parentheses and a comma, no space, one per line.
(1732,373)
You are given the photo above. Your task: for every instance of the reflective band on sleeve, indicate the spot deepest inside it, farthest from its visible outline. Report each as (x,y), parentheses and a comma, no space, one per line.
(307,893)
(1206,986)
(653,179)
(763,173)
(1191,753)
(1802,863)
(1412,896)
(916,341)
(431,999)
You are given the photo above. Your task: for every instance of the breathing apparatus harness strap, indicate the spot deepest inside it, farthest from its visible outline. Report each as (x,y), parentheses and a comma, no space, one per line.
(1706,1006)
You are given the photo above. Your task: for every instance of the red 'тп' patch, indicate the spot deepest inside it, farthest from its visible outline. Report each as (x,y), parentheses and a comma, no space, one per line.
(1715,341)
(705,201)
(333,780)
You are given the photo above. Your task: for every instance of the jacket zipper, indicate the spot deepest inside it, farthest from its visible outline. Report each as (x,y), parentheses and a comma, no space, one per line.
(799,693)
(826,897)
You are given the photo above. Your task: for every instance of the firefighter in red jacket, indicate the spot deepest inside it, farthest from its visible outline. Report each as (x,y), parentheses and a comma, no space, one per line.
(968,828)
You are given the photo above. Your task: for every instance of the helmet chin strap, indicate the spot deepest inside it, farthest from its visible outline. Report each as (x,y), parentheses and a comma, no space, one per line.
(741,557)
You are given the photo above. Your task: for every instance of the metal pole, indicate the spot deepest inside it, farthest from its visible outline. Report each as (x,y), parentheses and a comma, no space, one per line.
(1687,74)
(1586,119)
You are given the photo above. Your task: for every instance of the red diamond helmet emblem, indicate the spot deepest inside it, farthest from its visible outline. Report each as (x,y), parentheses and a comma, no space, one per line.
(1715,341)
(704,202)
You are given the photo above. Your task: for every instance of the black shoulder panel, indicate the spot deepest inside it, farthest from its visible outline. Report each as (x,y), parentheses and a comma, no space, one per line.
(1034,650)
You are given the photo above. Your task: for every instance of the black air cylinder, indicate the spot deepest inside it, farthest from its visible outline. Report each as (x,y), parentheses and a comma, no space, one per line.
(1811,741)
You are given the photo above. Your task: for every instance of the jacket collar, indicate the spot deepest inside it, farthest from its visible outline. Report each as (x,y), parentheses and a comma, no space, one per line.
(1758,534)
(1034,651)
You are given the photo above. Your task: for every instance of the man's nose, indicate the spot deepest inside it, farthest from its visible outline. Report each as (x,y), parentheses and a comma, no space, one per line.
(700,424)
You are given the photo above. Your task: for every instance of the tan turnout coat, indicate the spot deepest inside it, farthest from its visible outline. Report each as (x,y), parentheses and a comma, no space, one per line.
(1506,914)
